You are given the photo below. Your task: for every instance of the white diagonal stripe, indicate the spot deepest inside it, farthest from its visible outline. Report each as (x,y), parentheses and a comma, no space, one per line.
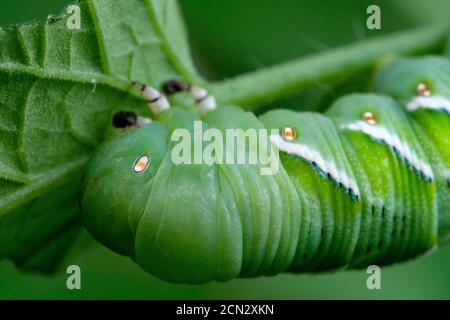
(393,141)
(311,155)
(434,103)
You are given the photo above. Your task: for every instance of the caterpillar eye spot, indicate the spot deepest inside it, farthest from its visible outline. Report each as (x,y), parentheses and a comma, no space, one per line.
(141,164)
(423,90)
(288,134)
(369,117)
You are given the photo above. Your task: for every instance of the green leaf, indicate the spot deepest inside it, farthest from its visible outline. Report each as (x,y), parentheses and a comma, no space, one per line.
(58,89)
(142,40)
(36,235)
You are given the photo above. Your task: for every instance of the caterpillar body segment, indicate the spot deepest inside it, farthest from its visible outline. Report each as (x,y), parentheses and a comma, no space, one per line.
(422,85)
(399,215)
(357,186)
(269,219)
(315,162)
(236,230)
(109,196)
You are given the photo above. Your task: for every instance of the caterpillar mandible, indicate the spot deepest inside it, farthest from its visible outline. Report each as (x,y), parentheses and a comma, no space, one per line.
(365,183)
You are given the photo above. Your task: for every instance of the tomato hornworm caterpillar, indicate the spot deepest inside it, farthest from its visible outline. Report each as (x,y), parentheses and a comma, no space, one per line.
(365,183)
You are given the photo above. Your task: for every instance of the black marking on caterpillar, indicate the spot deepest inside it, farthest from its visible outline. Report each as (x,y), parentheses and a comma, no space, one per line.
(422,169)
(174,86)
(300,151)
(157,102)
(126,119)
(204,101)
(327,176)
(123,119)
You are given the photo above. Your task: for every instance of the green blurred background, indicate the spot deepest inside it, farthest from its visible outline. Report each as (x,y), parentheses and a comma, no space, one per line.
(229,38)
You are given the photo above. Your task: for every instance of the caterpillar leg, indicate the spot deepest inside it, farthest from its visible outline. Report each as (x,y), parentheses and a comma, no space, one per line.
(125,119)
(156,101)
(204,101)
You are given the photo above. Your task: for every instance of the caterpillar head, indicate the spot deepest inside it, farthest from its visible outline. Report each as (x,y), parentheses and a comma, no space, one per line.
(121,170)
(417,82)
(170,218)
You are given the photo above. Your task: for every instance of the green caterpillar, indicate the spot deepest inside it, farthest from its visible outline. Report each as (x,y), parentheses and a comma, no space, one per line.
(366,183)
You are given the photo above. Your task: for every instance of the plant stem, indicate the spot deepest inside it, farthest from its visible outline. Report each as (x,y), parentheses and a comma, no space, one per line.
(263,86)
